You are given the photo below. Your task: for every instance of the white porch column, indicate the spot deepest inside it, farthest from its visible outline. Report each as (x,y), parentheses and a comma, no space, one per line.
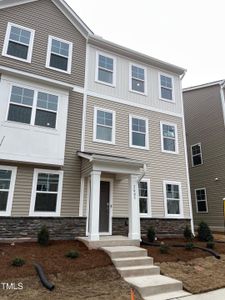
(133,208)
(94,206)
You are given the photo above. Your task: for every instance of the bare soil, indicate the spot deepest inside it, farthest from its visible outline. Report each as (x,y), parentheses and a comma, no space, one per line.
(90,276)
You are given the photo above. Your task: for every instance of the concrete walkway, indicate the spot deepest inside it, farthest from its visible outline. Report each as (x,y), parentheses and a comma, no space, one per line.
(216,295)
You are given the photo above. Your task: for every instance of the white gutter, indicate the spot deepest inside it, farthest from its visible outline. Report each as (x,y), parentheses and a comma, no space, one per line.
(222,85)
(142,174)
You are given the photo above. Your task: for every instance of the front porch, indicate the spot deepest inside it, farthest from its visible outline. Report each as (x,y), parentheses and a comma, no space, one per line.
(100,203)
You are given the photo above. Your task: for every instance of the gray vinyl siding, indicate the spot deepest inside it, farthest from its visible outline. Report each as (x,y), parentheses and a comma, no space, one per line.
(46,19)
(121,90)
(160,166)
(205,124)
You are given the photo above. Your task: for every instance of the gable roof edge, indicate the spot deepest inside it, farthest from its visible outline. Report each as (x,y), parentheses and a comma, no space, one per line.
(11,3)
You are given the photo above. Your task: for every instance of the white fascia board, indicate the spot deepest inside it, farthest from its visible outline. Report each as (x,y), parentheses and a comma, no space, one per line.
(201,86)
(11,3)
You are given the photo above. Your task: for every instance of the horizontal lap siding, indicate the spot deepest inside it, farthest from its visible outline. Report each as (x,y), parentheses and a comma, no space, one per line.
(46,19)
(204,123)
(160,166)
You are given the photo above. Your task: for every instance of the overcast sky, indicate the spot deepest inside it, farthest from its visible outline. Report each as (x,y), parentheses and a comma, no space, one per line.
(187,33)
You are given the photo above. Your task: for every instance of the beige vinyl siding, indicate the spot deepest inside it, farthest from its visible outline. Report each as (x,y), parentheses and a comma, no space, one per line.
(46,19)
(121,90)
(205,124)
(160,166)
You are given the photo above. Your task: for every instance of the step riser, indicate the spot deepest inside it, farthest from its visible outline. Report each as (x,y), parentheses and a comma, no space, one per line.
(140,272)
(133,262)
(164,288)
(123,254)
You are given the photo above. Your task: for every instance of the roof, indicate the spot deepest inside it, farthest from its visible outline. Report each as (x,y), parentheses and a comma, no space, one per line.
(201,86)
(62,6)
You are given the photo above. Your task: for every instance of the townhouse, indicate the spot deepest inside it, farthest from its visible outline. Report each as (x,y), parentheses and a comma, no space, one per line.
(92,137)
(204,117)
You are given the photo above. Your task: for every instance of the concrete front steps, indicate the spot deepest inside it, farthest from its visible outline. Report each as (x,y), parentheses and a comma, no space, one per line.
(138,270)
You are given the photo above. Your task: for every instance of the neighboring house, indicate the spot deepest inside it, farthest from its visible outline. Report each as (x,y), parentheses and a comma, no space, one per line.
(204,110)
(92,137)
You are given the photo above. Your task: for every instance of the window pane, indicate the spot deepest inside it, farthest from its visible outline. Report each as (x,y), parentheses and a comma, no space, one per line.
(47,182)
(104,118)
(22,95)
(106,76)
(20,35)
(169,144)
(19,114)
(138,85)
(166,81)
(173,207)
(196,149)
(17,50)
(60,48)
(143,190)
(172,191)
(47,101)
(200,194)
(197,160)
(105,62)
(138,125)
(168,131)
(45,202)
(58,62)
(138,139)
(143,205)
(166,93)
(45,118)
(5,178)
(138,73)
(202,206)
(3,200)
(104,133)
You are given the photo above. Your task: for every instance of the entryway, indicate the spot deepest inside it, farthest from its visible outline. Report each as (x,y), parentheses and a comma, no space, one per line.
(105,207)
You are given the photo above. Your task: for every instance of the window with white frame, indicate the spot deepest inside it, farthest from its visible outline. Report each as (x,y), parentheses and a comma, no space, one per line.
(172,195)
(7,183)
(138,132)
(201,200)
(46,193)
(18,42)
(196,154)
(32,107)
(104,125)
(59,54)
(105,69)
(138,80)
(169,138)
(166,87)
(144,196)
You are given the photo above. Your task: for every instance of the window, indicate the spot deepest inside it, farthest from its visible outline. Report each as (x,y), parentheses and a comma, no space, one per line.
(173,199)
(59,54)
(201,200)
(138,79)
(105,72)
(169,138)
(138,132)
(196,154)
(144,197)
(166,87)
(7,183)
(18,42)
(104,126)
(46,193)
(32,107)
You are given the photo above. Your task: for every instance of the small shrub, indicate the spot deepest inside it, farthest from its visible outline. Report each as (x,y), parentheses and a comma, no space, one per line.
(164,248)
(187,233)
(43,236)
(72,254)
(189,246)
(210,245)
(204,232)
(18,262)
(151,234)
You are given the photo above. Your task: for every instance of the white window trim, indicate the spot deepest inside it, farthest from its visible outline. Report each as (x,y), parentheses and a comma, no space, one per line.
(33,213)
(6,42)
(130,79)
(192,161)
(48,56)
(159,85)
(149,214)
(196,201)
(33,107)
(113,126)
(113,84)
(176,137)
(173,216)
(146,134)
(8,210)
